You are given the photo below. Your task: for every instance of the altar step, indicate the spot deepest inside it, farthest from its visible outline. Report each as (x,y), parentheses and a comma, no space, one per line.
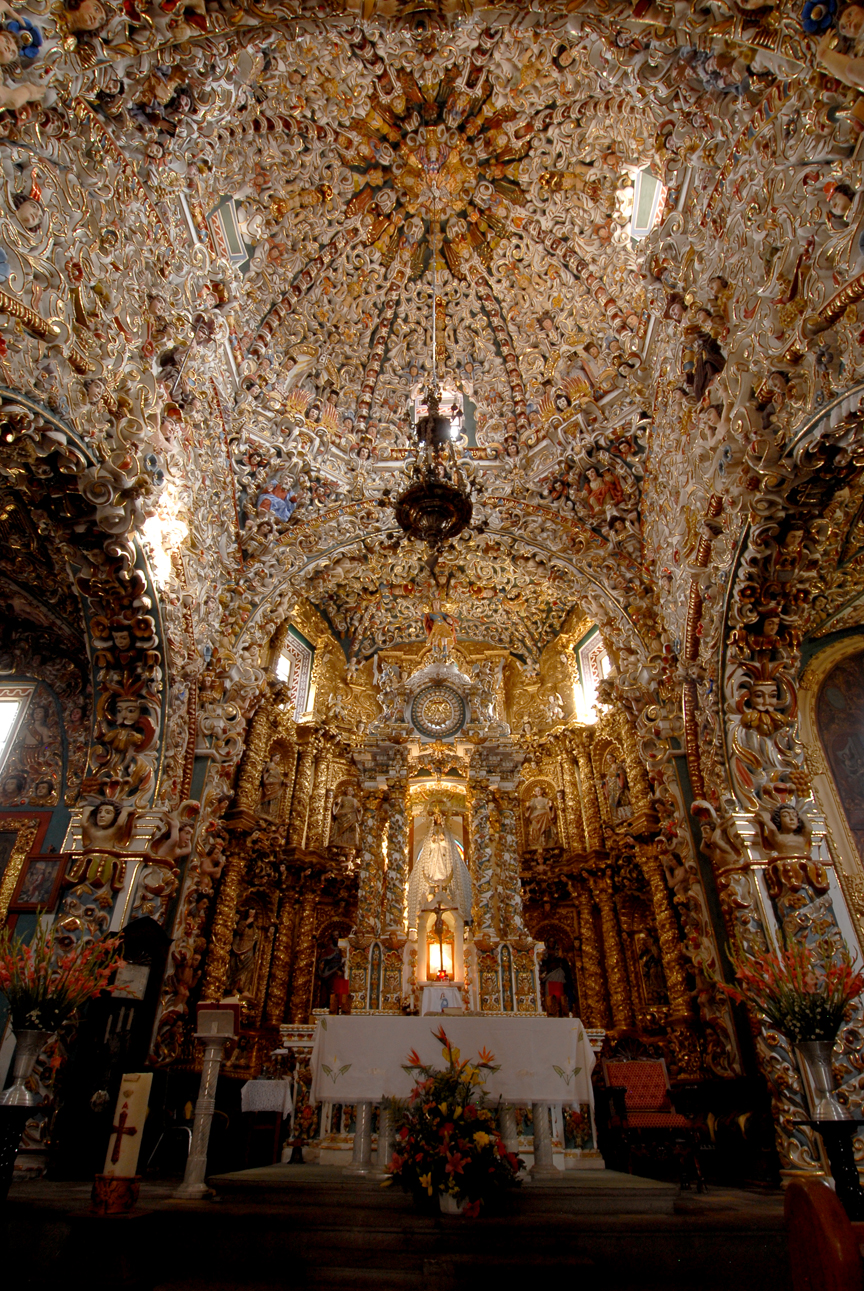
(312,1228)
(572,1192)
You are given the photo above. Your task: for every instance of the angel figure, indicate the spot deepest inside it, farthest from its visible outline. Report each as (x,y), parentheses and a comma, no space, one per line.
(785,831)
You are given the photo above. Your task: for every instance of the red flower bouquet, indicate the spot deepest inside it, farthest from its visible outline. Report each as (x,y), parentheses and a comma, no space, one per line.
(802,994)
(45,984)
(447,1140)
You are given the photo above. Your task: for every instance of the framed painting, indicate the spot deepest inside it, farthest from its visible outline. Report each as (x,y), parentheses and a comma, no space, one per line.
(39,882)
(20,833)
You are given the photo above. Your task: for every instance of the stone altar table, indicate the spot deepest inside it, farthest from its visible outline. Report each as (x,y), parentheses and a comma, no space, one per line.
(543,1061)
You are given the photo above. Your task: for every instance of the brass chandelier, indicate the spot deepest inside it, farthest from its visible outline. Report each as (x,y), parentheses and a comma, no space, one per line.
(436,505)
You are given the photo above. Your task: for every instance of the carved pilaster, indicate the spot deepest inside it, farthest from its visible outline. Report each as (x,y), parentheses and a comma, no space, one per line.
(222,931)
(509,881)
(590,804)
(304,959)
(397,861)
(484,864)
(370,891)
(595,1007)
(613,952)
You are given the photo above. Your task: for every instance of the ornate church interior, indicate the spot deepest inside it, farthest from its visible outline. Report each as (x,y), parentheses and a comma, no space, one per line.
(431,587)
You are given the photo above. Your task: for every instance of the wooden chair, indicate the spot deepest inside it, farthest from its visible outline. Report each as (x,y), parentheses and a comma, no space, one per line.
(824,1253)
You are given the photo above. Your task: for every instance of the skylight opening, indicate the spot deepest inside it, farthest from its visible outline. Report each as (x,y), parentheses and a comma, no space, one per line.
(649,198)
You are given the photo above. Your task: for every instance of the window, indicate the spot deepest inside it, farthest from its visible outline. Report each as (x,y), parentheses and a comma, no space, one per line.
(283,668)
(649,196)
(594,666)
(13,701)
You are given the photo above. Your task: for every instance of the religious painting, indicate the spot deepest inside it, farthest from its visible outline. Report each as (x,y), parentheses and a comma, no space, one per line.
(840,721)
(18,835)
(39,885)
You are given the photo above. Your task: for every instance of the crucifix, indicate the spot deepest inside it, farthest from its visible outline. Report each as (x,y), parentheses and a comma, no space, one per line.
(438,929)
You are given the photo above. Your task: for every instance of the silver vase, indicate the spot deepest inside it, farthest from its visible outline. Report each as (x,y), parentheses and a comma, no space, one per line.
(814,1059)
(27,1049)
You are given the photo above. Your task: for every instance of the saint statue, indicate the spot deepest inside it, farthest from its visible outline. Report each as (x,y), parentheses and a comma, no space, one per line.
(439,870)
(540,814)
(345,829)
(241,959)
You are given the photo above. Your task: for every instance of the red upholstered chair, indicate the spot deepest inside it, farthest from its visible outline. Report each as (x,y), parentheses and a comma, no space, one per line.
(646,1118)
(647,1100)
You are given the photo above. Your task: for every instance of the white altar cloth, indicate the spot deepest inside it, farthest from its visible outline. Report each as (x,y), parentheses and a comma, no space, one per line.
(267,1096)
(542,1060)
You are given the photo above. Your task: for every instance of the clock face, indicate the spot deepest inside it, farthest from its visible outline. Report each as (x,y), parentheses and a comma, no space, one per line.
(438,712)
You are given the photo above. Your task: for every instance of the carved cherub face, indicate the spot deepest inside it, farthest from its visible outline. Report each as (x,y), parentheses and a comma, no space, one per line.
(105,815)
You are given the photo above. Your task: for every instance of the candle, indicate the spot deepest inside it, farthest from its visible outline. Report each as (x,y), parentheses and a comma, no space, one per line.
(128,1125)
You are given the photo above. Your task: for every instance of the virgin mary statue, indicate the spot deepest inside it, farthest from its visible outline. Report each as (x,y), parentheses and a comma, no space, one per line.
(439,871)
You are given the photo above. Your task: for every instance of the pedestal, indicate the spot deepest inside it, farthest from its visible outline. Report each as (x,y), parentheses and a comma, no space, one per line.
(193,1186)
(837,1137)
(361,1159)
(12,1121)
(543,1166)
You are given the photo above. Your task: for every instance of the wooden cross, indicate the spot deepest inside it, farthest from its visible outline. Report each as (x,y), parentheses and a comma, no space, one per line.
(120,1129)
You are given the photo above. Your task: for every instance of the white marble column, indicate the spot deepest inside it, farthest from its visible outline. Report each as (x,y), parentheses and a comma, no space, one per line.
(193,1184)
(361,1158)
(543,1166)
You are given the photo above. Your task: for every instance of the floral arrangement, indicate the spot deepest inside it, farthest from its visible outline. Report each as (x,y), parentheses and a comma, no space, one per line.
(802,994)
(45,984)
(447,1140)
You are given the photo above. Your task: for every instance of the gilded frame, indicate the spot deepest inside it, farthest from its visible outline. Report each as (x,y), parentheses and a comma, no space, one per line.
(28,828)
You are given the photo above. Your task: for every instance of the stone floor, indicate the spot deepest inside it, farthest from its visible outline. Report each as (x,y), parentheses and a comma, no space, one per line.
(313,1227)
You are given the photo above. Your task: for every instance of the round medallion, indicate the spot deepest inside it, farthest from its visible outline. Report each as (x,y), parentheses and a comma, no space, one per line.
(438,712)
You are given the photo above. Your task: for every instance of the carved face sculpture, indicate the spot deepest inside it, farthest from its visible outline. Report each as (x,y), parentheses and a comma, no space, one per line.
(29,214)
(789,820)
(88,16)
(122,639)
(128,711)
(851,21)
(106,815)
(8,48)
(763,696)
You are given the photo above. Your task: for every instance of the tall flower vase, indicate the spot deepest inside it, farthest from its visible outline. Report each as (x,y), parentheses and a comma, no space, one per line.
(814,1059)
(27,1049)
(16,1102)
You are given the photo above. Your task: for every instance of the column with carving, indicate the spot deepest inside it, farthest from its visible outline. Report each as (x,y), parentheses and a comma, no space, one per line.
(397,859)
(596,1012)
(304,959)
(280,972)
(674,966)
(644,816)
(590,804)
(316,831)
(222,931)
(572,797)
(510,882)
(370,858)
(302,792)
(613,952)
(484,863)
